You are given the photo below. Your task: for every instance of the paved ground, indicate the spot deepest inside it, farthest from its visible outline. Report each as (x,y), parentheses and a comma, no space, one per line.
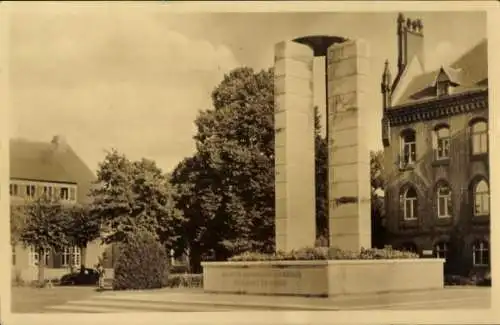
(170,300)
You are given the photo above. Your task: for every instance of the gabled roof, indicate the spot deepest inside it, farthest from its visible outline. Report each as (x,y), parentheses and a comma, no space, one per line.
(49,162)
(469,72)
(452,75)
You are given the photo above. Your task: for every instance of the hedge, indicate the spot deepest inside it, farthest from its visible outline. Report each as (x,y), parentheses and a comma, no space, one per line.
(327,253)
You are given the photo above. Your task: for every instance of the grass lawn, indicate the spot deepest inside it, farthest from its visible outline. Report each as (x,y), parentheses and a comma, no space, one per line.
(34,300)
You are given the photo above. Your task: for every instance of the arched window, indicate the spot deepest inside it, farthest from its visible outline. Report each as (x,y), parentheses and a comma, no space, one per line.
(443,200)
(481,198)
(441,250)
(479,137)
(408,148)
(442,142)
(481,253)
(408,200)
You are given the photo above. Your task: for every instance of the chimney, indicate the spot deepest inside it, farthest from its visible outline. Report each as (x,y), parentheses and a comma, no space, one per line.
(59,142)
(410,42)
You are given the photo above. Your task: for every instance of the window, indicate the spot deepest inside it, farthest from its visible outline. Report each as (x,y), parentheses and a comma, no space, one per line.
(479,138)
(14,189)
(30,191)
(34,258)
(442,143)
(481,198)
(47,192)
(13,255)
(443,201)
(443,88)
(409,204)
(480,253)
(64,193)
(408,148)
(441,250)
(71,256)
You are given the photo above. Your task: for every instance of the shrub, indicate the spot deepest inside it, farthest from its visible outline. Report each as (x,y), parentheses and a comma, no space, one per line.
(185,281)
(326,253)
(141,264)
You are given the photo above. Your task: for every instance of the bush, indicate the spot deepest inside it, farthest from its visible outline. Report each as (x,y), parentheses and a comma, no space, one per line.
(141,264)
(327,253)
(185,281)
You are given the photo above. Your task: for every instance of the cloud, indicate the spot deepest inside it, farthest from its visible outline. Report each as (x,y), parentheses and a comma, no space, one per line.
(103,82)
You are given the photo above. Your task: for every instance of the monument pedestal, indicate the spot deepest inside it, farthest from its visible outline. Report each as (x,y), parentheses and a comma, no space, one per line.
(323,278)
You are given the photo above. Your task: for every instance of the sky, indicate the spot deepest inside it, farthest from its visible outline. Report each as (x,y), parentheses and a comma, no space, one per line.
(135,77)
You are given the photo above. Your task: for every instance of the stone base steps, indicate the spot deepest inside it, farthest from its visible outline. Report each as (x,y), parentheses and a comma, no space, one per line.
(166,301)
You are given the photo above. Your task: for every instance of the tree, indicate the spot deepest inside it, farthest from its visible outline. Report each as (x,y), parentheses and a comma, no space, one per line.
(81,228)
(132,196)
(226,190)
(321,181)
(378,184)
(45,223)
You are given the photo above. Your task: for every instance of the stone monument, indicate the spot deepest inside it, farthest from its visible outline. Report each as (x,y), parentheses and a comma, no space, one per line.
(349,183)
(346,69)
(348,156)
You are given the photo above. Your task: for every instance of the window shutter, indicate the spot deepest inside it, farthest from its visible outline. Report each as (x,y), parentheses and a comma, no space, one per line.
(72,194)
(401,206)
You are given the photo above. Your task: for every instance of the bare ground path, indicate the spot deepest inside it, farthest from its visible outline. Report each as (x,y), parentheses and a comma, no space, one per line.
(86,300)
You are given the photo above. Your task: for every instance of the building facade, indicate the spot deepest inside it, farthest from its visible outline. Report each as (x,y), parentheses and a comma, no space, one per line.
(53,169)
(435,137)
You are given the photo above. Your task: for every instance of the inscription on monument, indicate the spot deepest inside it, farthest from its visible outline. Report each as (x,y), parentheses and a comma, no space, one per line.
(262,279)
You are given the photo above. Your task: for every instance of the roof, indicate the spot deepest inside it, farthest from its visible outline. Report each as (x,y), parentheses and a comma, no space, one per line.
(48,161)
(469,72)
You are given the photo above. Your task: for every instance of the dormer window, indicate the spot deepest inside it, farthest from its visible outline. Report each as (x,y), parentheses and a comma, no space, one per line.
(443,88)
(446,79)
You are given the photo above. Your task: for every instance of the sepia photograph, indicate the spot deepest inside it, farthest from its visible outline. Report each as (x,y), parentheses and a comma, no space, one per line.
(247,161)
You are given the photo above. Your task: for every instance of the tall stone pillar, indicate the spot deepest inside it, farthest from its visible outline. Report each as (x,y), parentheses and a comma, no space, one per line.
(348,154)
(294,146)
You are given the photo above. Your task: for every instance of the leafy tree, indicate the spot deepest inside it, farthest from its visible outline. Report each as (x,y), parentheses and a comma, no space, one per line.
(378,183)
(226,189)
(45,223)
(82,228)
(321,181)
(132,196)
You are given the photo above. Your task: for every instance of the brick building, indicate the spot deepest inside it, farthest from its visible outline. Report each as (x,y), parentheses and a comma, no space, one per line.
(54,169)
(435,137)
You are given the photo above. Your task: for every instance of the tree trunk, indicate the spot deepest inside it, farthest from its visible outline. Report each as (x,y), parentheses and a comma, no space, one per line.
(83,257)
(41,267)
(195,260)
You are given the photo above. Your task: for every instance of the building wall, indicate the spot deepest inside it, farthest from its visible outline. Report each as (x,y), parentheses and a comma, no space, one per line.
(460,171)
(22,267)
(21,262)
